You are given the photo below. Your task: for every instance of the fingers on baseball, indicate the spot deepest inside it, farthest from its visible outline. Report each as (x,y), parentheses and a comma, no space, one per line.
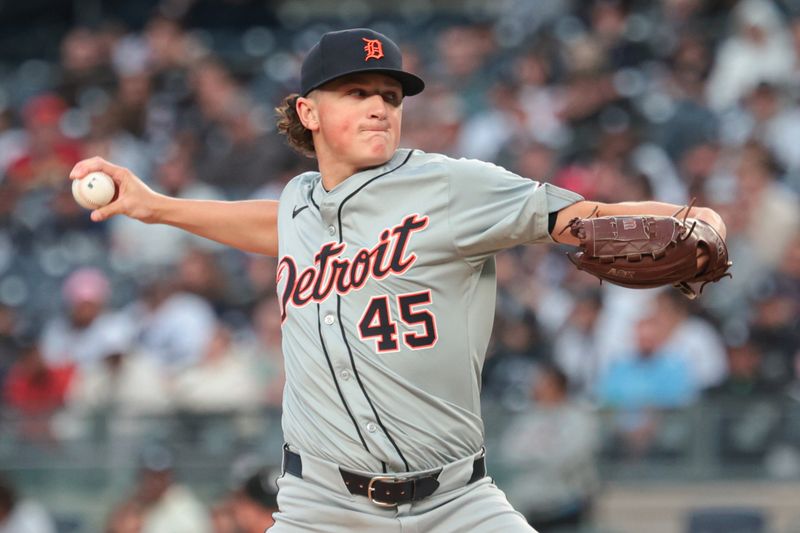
(109,210)
(97,164)
(98,215)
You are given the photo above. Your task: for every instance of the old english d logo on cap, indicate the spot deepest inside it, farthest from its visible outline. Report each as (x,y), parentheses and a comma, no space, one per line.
(373,48)
(339,53)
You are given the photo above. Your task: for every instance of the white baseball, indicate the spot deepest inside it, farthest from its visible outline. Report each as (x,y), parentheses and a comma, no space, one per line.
(94,190)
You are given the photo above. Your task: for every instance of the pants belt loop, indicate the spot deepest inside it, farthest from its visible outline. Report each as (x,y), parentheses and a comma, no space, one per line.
(292,462)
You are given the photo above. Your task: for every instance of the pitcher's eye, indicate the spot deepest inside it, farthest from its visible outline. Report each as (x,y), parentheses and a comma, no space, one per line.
(393,98)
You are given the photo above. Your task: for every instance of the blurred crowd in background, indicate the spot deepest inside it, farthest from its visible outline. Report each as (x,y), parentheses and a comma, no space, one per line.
(615,99)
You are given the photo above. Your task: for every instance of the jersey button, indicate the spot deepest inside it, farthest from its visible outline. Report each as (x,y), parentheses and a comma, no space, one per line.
(329,319)
(331,230)
(345,375)
(371,427)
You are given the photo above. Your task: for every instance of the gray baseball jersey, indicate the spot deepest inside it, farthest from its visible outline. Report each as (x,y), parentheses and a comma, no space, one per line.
(387,292)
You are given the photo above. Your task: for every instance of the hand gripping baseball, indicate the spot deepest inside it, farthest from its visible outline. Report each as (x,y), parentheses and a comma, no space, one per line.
(134,198)
(641,251)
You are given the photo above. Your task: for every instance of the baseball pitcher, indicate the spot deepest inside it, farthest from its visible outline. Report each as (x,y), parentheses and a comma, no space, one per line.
(386,285)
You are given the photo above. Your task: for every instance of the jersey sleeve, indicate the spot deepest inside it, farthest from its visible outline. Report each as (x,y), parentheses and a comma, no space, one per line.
(491,209)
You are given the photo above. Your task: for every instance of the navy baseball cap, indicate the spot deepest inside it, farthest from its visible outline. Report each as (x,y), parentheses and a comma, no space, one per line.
(339,53)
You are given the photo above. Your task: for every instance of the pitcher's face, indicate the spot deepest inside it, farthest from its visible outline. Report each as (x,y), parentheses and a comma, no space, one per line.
(357,119)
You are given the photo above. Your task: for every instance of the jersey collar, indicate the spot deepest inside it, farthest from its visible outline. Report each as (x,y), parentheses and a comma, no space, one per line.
(342,190)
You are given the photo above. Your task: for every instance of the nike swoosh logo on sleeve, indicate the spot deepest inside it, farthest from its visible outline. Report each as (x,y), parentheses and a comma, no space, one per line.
(296,211)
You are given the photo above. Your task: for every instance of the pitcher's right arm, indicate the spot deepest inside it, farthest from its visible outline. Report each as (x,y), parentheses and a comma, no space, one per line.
(248,225)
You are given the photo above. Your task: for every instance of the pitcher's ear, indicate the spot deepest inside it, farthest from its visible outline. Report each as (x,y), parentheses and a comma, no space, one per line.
(307,112)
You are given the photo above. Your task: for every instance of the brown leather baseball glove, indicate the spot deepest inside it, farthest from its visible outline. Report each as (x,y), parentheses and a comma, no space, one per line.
(640,251)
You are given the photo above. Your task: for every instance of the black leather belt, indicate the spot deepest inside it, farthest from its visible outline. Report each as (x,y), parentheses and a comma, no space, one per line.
(386,490)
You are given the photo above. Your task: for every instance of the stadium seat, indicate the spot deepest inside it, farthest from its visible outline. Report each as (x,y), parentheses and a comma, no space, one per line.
(726,520)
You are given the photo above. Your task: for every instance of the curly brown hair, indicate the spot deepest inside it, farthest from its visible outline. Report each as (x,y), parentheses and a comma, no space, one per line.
(289,124)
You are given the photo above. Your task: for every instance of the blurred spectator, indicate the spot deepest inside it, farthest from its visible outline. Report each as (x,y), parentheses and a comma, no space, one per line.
(236,153)
(142,245)
(640,384)
(131,107)
(752,190)
(169,48)
(463,52)
(769,118)
(610,25)
(691,338)
(759,49)
(699,166)
(486,132)
(552,287)
(745,380)
(48,155)
(507,371)
(760,192)
(199,273)
(123,383)
(18,515)
(221,381)
(8,341)
(167,506)
(12,142)
(108,139)
(643,169)
(510,299)
(259,277)
(534,160)
(244,161)
(165,52)
(216,94)
(793,390)
(748,417)
(249,506)
(266,356)
(691,123)
(551,450)
(655,374)
(531,16)
(539,98)
(35,391)
(433,123)
(127,518)
(222,520)
(576,348)
(75,337)
(795,73)
(775,322)
(163,314)
(255,502)
(588,88)
(84,65)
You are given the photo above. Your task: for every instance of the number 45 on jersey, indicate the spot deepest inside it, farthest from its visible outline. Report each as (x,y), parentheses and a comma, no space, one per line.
(377,322)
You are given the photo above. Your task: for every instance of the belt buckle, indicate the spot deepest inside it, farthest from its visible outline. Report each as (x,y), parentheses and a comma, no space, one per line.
(385,479)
